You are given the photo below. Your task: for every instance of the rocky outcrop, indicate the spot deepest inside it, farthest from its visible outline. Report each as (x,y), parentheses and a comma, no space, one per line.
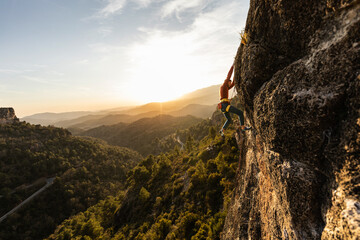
(7,115)
(298,77)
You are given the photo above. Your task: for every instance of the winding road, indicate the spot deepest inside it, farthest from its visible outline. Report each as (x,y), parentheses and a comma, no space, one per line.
(177,139)
(49,181)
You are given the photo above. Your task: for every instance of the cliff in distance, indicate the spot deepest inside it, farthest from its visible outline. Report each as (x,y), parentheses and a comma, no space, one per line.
(298,77)
(7,115)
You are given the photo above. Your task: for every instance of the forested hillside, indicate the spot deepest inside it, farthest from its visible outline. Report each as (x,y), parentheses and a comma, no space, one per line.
(182,194)
(145,135)
(109,192)
(86,172)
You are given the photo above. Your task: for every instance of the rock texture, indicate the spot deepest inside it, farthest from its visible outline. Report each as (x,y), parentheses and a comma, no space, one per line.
(299,80)
(7,115)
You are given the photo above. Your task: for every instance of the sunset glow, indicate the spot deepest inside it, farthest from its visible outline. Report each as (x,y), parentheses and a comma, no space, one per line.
(113,53)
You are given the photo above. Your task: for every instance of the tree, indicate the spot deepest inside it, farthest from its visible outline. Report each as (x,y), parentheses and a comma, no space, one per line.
(144,195)
(212,132)
(189,143)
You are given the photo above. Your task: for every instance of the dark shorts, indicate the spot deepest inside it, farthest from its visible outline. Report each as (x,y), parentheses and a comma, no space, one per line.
(224,106)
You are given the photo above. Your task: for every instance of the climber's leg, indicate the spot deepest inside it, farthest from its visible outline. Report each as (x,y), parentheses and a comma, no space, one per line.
(228,120)
(238,112)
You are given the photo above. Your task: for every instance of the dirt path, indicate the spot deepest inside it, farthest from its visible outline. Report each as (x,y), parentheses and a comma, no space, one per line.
(177,139)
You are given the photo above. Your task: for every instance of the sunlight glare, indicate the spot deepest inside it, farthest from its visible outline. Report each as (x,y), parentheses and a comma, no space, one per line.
(165,69)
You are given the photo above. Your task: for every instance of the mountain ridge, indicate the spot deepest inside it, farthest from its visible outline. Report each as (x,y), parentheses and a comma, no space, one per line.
(143,135)
(205,97)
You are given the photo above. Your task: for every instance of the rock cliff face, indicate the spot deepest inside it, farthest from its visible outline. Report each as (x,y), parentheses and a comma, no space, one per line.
(7,115)
(298,77)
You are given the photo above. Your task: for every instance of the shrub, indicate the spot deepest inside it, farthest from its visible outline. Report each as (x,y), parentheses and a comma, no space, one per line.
(144,195)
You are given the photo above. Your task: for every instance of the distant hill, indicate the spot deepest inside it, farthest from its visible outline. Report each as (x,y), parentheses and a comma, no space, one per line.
(50,118)
(196,110)
(142,134)
(92,121)
(199,103)
(206,96)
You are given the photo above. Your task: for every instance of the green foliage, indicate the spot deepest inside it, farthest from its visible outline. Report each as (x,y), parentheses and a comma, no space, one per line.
(140,174)
(91,228)
(144,195)
(181,193)
(177,195)
(86,171)
(147,135)
(212,132)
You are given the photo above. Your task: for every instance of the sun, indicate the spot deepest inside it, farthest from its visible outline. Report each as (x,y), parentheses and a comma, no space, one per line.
(164,70)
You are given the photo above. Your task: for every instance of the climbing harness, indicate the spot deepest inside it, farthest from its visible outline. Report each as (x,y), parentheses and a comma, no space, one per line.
(227,108)
(224,100)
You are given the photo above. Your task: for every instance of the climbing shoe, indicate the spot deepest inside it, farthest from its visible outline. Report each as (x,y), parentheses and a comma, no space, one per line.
(221,132)
(243,129)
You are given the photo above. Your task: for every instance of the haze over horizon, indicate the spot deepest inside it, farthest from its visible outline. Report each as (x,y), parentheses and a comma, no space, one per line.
(78,55)
(204,93)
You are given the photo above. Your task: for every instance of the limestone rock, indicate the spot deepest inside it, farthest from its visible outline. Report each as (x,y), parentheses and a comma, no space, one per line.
(299,80)
(7,116)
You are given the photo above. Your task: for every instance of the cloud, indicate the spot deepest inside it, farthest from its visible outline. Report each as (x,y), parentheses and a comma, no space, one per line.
(22,69)
(55,73)
(8,71)
(104,48)
(116,6)
(105,31)
(196,56)
(178,6)
(179,60)
(50,77)
(82,62)
(112,7)
(36,79)
(216,31)
(144,3)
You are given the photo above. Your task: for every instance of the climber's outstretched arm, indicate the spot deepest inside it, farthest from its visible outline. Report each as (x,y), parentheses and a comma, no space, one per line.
(230,72)
(231,83)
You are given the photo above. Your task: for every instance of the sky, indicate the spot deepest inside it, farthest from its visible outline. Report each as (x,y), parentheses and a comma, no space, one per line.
(70,55)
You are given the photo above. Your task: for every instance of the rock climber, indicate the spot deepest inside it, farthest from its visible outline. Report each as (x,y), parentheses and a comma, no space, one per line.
(225,106)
